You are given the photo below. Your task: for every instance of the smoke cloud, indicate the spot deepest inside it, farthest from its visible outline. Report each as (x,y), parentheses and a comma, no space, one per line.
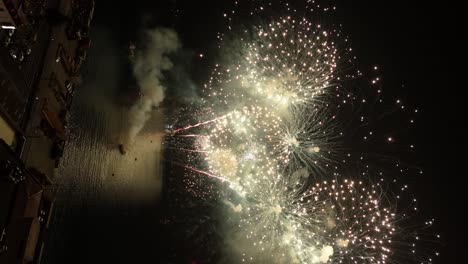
(149,63)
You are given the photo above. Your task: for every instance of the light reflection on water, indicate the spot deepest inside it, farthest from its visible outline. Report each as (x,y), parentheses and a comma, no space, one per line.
(106,203)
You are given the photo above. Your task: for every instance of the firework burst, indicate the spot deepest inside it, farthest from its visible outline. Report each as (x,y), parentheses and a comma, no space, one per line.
(286,220)
(270,136)
(283,65)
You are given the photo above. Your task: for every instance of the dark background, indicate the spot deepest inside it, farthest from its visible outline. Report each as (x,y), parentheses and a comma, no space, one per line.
(416,44)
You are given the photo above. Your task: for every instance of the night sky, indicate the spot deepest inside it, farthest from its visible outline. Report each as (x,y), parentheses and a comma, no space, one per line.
(414,44)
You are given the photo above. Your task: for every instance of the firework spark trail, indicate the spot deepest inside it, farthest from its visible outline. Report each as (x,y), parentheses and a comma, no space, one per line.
(192,150)
(202,172)
(192,135)
(200,124)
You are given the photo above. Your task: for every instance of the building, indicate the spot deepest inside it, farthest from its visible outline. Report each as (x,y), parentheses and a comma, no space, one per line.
(43,45)
(26,207)
(11,14)
(22,50)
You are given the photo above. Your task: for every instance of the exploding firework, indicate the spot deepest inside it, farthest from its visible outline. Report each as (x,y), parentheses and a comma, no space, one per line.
(285,220)
(283,65)
(270,140)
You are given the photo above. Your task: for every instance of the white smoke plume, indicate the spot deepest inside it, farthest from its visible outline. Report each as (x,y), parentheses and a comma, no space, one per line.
(149,62)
